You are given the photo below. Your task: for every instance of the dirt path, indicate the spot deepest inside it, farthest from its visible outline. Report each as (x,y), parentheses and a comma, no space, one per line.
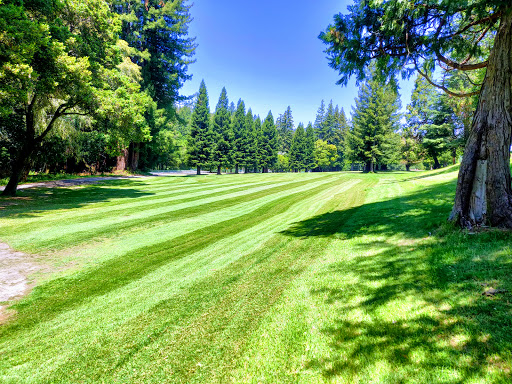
(15,269)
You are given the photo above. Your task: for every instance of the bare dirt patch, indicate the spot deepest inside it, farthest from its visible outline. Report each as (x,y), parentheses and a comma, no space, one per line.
(15,271)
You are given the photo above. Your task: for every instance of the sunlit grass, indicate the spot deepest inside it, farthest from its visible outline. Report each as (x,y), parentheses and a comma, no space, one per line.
(274,278)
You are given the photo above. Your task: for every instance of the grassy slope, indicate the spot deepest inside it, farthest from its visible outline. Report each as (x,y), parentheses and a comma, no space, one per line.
(257,278)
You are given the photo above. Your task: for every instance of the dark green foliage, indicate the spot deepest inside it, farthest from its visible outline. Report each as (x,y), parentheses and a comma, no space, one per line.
(297,161)
(285,127)
(222,134)
(309,148)
(200,139)
(401,36)
(319,120)
(432,121)
(372,139)
(250,161)
(240,136)
(267,142)
(158,30)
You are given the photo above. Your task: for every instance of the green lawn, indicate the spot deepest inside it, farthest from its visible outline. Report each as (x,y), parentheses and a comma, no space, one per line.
(275,278)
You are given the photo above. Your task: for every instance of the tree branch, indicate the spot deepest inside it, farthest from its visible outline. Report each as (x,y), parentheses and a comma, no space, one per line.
(462,67)
(451,93)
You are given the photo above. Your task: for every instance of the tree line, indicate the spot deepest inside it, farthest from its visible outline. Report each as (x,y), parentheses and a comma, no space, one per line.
(90,85)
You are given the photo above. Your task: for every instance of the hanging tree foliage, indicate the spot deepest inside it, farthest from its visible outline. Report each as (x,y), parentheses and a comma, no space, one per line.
(456,35)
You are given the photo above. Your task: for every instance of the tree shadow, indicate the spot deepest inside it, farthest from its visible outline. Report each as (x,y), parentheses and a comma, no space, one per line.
(415,216)
(29,202)
(414,307)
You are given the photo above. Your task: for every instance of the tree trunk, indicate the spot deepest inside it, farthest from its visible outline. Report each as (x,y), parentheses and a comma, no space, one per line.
(407,167)
(218,170)
(18,169)
(198,169)
(236,169)
(436,162)
(134,156)
(484,192)
(122,160)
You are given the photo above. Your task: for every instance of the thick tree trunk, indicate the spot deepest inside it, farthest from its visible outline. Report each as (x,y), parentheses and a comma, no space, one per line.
(436,162)
(134,156)
(236,169)
(122,160)
(484,192)
(198,169)
(18,169)
(407,167)
(218,170)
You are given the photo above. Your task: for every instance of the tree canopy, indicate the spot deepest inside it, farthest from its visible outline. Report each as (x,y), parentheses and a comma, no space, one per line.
(438,36)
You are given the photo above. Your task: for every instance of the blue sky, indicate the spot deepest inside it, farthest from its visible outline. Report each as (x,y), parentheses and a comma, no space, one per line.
(268,54)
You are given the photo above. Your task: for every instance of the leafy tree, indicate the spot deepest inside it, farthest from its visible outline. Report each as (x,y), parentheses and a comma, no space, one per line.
(60,60)
(199,143)
(411,150)
(298,149)
(222,134)
(240,141)
(450,36)
(267,143)
(157,32)
(374,121)
(325,155)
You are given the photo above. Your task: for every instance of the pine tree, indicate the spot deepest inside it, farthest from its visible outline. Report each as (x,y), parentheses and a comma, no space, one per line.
(298,149)
(259,142)
(431,116)
(158,31)
(328,127)
(373,123)
(309,148)
(268,143)
(285,127)
(444,37)
(250,161)
(239,129)
(199,143)
(319,121)
(222,134)
(232,109)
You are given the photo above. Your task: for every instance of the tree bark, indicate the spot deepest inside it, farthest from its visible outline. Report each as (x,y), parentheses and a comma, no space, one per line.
(436,162)
(18,169)
(218,170)
(198,169)
(484,194)
(122,160)
(236,169)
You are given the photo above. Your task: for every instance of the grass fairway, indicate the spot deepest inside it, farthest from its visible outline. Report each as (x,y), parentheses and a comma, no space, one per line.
(275,278)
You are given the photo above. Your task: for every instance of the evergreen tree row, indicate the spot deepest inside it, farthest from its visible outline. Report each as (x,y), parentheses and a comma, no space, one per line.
(231,138)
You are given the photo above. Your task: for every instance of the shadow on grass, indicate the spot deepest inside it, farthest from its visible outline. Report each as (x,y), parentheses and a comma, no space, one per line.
(31,201)
(415,311)
(413,216)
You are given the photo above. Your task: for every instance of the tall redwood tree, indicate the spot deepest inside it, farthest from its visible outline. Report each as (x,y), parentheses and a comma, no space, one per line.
(456,35)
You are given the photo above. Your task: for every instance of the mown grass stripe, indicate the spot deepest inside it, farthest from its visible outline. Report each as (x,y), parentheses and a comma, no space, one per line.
(46,301)
(101,213)
(212,320)
(63,240)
